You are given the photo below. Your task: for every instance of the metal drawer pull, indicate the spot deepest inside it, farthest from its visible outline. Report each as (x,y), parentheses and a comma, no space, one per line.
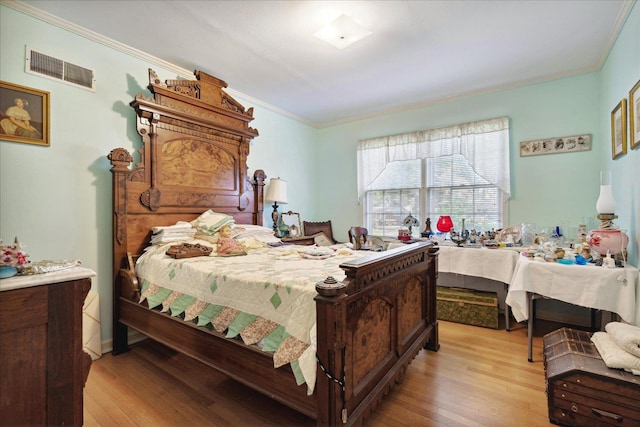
(611,415)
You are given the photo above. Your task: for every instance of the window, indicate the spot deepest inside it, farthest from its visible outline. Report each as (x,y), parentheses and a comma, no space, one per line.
(393,195)
(461,171)
(453,188)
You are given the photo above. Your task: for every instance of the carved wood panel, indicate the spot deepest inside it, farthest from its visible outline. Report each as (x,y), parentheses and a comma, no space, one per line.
(196,163)
(371,338)
(410,311)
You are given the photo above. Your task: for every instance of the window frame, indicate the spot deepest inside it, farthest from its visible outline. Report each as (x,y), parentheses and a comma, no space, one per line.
(368,215)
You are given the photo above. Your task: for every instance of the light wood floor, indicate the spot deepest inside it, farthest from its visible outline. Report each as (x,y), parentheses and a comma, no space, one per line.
(480,377)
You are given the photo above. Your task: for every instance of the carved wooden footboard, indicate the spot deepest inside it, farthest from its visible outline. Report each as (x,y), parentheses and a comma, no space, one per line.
(372,331)
(193,158)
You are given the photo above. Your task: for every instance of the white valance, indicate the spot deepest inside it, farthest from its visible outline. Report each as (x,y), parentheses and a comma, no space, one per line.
(485,144)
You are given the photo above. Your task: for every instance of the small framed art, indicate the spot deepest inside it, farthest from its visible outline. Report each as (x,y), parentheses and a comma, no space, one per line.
(24,114)
(619,129)
(555,145)
(634,116)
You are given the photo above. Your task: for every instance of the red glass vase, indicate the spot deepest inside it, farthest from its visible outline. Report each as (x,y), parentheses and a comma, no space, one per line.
(444,224)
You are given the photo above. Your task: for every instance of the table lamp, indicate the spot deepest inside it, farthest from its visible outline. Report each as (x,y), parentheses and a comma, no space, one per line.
(410,221)
(607,238)
(276,193)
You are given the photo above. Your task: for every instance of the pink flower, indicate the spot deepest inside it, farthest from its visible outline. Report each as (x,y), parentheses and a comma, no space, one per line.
(11,256)
(594,241)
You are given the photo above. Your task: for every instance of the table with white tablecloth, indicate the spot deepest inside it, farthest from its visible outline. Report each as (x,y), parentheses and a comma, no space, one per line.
(616,290)
(493,264)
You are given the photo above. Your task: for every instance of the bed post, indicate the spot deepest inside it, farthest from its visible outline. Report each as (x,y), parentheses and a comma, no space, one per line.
(120,161)
(259,177)
(331,329)
(433,343)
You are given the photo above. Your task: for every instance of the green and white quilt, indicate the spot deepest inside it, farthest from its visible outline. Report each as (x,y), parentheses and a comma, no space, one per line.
(265,297)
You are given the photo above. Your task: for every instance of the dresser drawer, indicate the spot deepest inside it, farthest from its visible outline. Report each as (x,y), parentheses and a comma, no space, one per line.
(23,308)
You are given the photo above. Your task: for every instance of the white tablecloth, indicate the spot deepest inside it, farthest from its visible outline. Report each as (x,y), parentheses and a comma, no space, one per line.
(494,264)
(616,290)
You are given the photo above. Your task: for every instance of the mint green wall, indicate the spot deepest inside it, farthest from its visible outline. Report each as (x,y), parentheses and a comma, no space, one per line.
(557,189)
(283,150)
(57,199)
(620,72)
(547,190)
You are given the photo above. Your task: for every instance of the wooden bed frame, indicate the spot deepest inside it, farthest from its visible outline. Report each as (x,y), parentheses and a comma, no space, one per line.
(195,145)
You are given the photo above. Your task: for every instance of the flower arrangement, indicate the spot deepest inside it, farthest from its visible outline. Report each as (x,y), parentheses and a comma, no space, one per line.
(12,256)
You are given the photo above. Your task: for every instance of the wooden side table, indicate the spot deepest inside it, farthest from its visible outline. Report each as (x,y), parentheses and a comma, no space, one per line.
(42,366)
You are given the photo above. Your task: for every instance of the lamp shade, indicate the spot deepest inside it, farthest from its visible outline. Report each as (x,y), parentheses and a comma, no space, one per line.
(277,191)
(444,224)
(605,204)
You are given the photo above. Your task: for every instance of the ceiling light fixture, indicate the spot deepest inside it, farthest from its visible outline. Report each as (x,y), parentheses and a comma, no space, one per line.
(342,32)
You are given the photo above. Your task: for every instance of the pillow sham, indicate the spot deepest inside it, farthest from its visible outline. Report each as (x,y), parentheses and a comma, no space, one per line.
(172,233)
(209,222)
(256,232)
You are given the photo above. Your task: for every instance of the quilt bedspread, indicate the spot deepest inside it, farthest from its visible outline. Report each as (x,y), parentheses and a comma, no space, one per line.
(266,295)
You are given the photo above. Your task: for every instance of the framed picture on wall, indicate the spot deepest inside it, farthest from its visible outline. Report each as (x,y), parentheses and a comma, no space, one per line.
(24,114)
(619,129)
(634,116)
(555,145)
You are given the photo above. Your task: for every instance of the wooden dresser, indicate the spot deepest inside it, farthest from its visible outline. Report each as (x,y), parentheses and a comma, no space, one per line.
(42,366)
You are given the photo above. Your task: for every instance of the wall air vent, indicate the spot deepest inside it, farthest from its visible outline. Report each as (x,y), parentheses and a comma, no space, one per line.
(57,69)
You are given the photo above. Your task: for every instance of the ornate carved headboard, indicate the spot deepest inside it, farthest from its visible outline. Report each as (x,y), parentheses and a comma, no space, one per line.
(193,158)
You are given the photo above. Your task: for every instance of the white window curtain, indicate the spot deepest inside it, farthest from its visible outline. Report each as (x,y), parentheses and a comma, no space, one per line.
(485,144)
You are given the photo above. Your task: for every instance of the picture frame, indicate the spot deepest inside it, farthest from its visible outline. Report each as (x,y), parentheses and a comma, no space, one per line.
(634,116)
(555,145)
(619,129)
(24,114)
(292,222)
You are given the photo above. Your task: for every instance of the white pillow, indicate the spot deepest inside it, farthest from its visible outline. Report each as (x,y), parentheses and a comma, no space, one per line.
(209,222)
(256,232)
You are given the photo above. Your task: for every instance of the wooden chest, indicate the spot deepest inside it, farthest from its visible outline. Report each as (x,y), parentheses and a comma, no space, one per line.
(581,390)
(467,306)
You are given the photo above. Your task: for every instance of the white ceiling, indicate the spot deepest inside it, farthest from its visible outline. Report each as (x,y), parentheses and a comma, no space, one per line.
(420,52)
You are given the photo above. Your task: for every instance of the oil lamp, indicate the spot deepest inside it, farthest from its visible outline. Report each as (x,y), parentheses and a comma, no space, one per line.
(607,238)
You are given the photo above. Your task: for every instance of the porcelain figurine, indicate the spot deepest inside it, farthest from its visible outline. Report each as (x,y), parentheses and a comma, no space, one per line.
(585,251)
(608,262)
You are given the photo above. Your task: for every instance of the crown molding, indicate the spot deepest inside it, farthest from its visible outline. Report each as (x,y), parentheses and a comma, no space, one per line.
(615,31)
(151,59)
(183,72)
